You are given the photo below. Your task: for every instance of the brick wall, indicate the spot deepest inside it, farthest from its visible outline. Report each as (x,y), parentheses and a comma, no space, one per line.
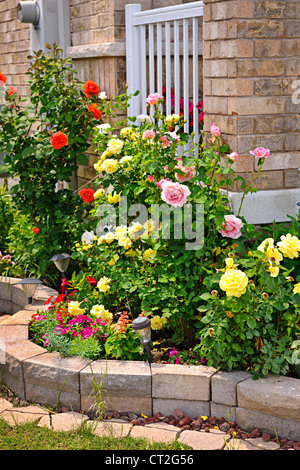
(250,60)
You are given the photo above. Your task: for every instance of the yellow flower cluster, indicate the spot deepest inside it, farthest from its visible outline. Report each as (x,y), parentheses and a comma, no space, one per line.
(157,322)
(126,160)
(99,312)
(74,308)
(113,199)
(289,247)
(172,119)
(114,146)
(113,261)
(100,192)
(129,133)
(103,284)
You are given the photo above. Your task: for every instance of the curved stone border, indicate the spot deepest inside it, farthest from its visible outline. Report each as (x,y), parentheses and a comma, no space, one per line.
(271,404)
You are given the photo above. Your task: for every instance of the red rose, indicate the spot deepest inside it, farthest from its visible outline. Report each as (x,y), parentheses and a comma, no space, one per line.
(35,230)
(91,88)
(2,79)
(87,194)
(11,91)
(96,111)
(59,140)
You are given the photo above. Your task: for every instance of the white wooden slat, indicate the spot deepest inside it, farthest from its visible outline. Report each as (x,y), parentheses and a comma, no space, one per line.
(143,64)
(159,57)
(176,65)
(168,67)
(186,73)
(132,59)
(195,80)
(151,60)
(186,10)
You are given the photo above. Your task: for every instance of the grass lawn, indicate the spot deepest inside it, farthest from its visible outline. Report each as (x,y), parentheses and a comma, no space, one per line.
(31,437)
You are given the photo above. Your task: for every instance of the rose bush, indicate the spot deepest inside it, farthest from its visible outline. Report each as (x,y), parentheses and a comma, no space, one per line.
(143,265)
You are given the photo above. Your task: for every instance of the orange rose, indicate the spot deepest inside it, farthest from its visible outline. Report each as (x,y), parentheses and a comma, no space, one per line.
(59,140)
(91,88)
(2,79)
(87,194)
(11,90)
(96,111)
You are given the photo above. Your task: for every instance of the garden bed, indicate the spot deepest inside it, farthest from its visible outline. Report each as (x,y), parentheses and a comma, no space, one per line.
(271,403)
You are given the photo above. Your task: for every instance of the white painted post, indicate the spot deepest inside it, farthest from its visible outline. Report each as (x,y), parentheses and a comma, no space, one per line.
(132,58)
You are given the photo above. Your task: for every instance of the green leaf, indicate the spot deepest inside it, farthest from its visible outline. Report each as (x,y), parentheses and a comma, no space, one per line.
(82,159)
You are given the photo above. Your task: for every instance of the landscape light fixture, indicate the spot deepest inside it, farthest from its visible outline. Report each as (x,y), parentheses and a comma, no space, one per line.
(61,261)
(29,286)
(142,327)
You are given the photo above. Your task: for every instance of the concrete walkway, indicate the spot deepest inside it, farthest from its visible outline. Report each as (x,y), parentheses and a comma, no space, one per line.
(214,439)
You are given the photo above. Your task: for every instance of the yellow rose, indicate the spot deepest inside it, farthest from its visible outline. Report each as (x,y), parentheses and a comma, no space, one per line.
(157,322)
(129,133)
(99,312)
(109,237)
(229,263)
(274,270)
(113,199)
(103,284)
(172,119)
(99,193)
(272,254)
(234,282)
(289,246)
(149,253)
(114,146)
(74,309)
(267,243)
(296,289)
(109,166)
(125,242)
(121,231)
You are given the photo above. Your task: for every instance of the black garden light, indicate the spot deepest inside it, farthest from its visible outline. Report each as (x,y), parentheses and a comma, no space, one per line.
(29,286)
(61,261)
(142,327)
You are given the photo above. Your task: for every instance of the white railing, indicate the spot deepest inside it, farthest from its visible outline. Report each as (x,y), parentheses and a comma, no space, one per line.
(163,45)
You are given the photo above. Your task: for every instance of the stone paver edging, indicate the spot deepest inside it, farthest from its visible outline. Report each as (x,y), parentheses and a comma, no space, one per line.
(271,404)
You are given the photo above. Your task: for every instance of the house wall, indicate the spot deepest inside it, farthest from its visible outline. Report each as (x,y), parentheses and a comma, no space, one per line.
(250,61)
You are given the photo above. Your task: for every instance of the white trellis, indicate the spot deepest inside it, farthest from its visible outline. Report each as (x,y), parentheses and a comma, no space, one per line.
(163,46)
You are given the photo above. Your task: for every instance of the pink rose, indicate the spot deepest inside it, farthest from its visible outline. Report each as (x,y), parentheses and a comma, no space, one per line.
(148,134)
(160,182)
(233,156)
(174,194)
(150,178)
(165,142)
(189,173)
(261,152)
(154,98)
(231,227)
(215,130)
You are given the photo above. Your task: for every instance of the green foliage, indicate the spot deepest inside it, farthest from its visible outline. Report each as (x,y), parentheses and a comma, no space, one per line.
(56,102)
(254,330)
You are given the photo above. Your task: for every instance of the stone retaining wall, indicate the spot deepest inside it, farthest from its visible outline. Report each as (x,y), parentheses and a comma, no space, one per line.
(272,404)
